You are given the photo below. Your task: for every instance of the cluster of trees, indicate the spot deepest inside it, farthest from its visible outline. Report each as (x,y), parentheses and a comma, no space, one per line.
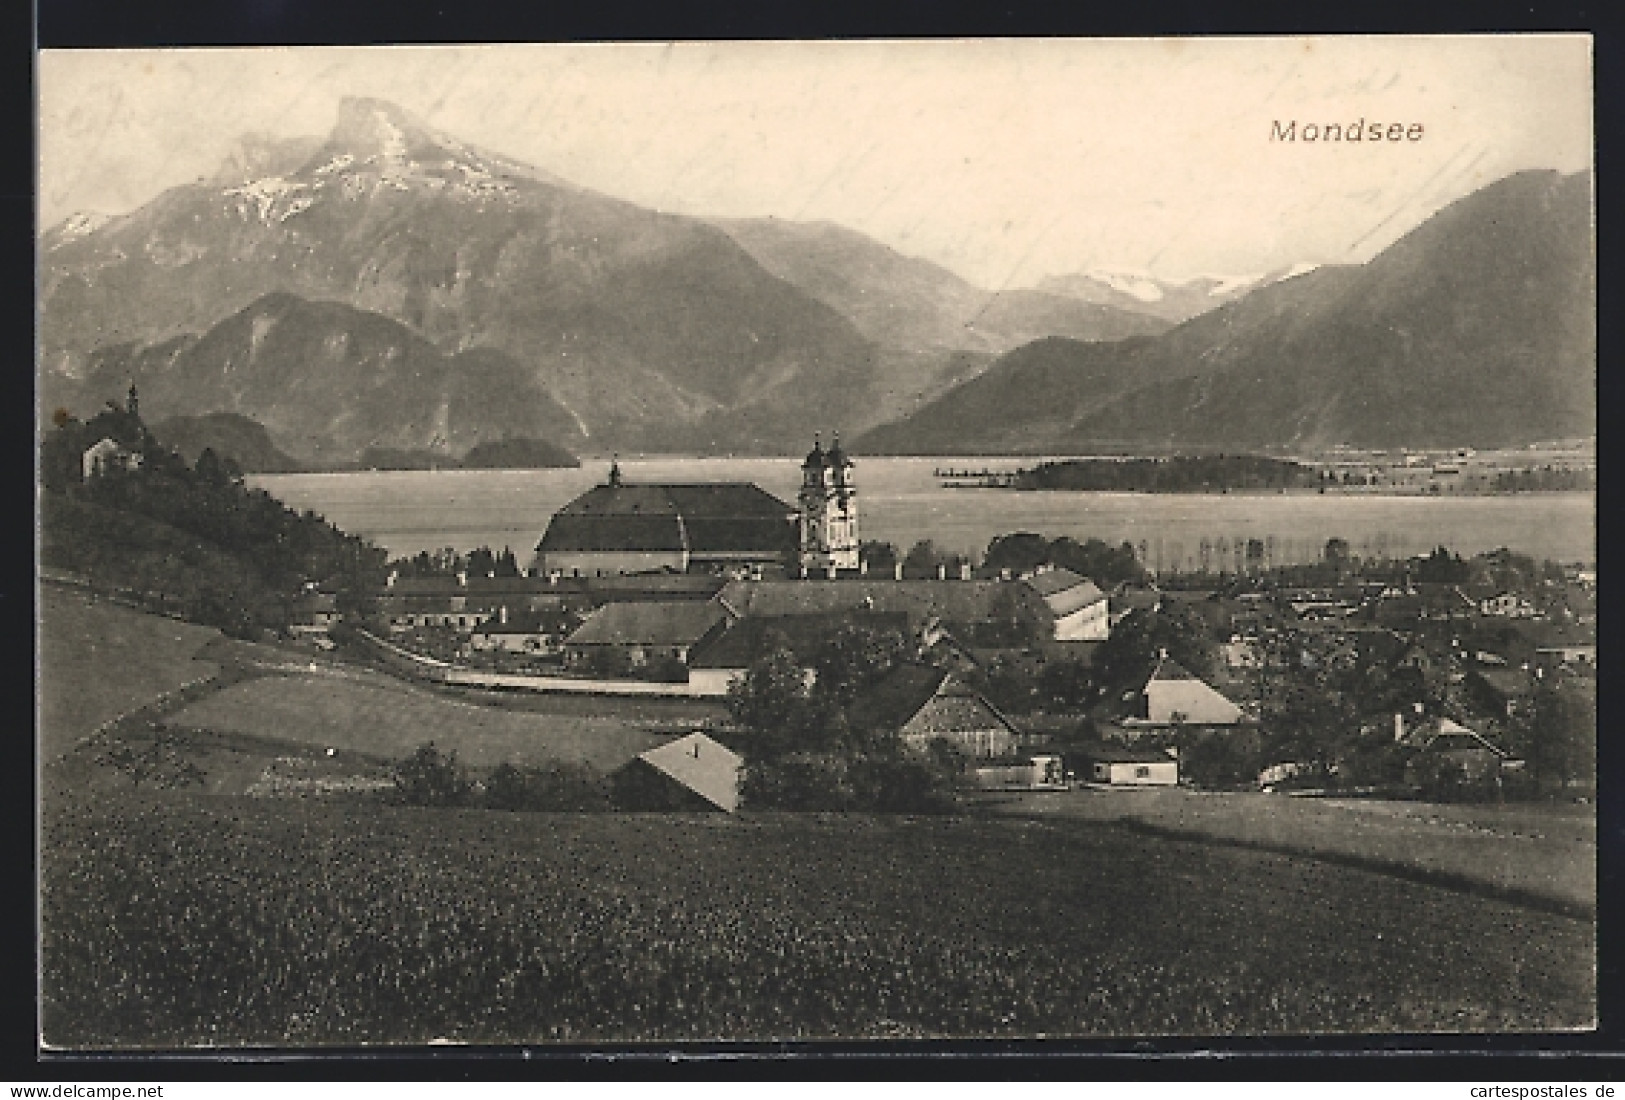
(1178,474)
(196,539)
(480,562)
(431,777)
(801,747)
(1108,566)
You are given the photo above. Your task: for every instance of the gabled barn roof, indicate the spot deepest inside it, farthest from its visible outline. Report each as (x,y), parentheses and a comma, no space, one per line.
(925,700)
(709,769)
(673,623)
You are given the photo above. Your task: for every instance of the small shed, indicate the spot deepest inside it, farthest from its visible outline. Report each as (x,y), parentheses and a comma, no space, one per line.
(1126,766)
(692,773)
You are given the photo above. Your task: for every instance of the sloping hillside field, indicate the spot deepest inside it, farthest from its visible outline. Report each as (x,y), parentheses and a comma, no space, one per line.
(99,660)
(220,921)
(370,714)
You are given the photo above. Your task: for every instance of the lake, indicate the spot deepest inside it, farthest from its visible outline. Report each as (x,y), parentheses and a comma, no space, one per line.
(901,501)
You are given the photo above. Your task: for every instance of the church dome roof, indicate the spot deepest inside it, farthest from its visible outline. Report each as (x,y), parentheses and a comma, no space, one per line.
(815,457)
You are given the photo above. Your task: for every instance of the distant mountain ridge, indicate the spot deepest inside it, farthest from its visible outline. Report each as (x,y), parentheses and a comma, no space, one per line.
(652,330)
(228,435)
(1476,328)
(1171,301)
(904,302)
(328,381)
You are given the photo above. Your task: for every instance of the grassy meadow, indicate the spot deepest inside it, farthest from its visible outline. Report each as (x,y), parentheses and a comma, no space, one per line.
(368,713)
(189,919)
(99,660)
(1534,849)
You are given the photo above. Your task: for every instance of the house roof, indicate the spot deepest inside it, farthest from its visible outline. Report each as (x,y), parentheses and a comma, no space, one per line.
(925,700)
(1506,681)
(425,586)
(1170,669)
(1454,736)
(711,518)
(665,586)
(920,600)
(747,639)
(547,621)
(1064,591)
(671,622)
(709,769)
(419,605)
(1135,599)
(508,586)
(1122,754)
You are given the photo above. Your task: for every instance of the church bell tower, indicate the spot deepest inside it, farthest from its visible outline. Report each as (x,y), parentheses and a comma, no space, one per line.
(829,510)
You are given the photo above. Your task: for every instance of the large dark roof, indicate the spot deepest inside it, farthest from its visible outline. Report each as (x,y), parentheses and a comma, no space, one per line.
(679,622)
(948,600)
(928,701)
(747,639)
(710,518)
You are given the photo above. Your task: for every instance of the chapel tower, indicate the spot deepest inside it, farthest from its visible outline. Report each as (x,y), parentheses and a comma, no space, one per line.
(829,511)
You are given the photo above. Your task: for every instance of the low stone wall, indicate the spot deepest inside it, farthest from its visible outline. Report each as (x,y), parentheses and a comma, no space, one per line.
(440,672)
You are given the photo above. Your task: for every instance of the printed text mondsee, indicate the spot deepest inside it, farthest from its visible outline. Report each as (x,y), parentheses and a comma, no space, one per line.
(1358,130)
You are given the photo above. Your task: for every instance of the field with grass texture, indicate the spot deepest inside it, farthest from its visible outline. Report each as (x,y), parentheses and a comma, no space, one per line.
(202,920)
(99,660)
(368,713)
(1547,851)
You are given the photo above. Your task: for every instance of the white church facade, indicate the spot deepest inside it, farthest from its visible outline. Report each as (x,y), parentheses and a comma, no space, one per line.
(828,501)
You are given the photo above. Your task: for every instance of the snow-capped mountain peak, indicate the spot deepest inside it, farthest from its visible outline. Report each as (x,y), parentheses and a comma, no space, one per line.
(1140,286)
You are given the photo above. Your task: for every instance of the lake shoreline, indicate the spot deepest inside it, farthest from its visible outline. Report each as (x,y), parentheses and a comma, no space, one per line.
(902,502)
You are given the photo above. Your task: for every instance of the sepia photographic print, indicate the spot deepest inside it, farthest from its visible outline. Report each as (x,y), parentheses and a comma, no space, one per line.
(869,540)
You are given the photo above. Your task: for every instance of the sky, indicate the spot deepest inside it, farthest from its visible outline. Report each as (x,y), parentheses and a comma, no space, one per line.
(1004,160)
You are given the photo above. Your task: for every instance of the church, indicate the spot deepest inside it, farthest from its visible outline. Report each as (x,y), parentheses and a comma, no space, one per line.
(718,527)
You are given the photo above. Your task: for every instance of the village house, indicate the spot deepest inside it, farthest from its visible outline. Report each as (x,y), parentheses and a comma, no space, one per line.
(1040,772)
(645,633)
(724,657)
(1175,696)
(1508,605)
(1424,602)
(1076,610)
(1123,603)
(691,773)
(313,613)
(1506,692)
(108,454)
(1129,766)
(539,632)
(926,704)
(1461,748)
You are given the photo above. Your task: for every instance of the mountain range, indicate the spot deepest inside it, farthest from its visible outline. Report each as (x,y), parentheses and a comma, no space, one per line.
(387,286)
(1476,328)
(652,331)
